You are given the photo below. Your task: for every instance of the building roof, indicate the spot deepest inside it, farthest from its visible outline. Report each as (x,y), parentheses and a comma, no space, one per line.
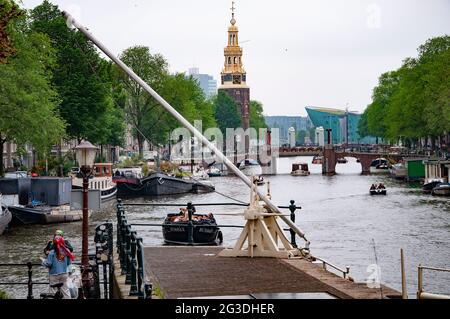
(330,110)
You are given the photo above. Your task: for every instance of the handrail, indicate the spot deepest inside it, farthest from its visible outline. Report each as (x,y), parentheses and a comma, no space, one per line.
(421,294)
(345,273)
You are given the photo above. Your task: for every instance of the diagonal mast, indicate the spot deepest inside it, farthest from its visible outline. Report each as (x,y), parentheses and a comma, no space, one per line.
(183,121)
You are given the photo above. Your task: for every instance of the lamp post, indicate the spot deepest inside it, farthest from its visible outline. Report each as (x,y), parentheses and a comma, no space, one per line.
(85,155)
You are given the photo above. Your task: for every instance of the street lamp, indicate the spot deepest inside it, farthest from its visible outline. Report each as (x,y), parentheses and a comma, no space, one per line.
(85,155)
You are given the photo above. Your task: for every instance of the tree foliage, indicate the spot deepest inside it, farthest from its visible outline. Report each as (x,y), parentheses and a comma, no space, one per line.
(414,101)
(257,119)
(28,103)
(8,12)
(85,93)
(225,112)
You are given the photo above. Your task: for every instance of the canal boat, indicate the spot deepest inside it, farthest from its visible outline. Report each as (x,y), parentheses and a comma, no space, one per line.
(441,190)
(214,172)
(317,160)
(43,214)
(300,169)
(102,179)
(158,184)
(342,160)
(204,229)
(428,187)
(5,216)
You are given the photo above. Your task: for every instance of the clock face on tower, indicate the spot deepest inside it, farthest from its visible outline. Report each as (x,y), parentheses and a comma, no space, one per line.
(236,79)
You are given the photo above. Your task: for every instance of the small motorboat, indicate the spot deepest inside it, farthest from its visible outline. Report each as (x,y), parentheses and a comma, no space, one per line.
(342,160)
(43,214)
(317,160)
(428,187)
(442,189)
(378,189)
(204,231)
(300,169)
(214,172)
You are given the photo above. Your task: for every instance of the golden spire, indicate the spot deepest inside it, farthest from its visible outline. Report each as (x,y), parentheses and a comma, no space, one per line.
(232,21)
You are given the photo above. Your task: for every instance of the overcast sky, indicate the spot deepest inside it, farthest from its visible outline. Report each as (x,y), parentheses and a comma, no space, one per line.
(298,52)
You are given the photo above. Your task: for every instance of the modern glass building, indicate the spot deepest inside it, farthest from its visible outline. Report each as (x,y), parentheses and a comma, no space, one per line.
(206,82)
(344,124)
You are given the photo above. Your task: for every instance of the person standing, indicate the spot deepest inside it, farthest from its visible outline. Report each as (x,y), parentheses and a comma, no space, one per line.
(58,261)
(49,245)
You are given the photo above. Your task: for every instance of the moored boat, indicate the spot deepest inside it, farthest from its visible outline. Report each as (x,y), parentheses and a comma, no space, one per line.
(317,160)
(214,172)
(428,187)
(102,180)
(342,160)
(5,217)
(300,169)
(42,214)
(441,190)
(204,229)
(159,184)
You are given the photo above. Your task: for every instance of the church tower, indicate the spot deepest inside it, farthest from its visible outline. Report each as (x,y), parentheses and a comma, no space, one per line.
(233,75)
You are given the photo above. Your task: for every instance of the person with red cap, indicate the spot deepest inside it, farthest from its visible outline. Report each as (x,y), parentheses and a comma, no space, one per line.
(58,261)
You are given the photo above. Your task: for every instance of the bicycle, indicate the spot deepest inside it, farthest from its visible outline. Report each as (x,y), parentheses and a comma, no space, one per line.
(57,295)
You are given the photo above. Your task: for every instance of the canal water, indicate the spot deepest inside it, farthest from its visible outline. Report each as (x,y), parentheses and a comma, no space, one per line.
(344,224)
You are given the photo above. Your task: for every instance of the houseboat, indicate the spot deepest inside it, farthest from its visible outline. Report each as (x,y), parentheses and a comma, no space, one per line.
(436,170)
(5,216)
(101,179)
(300,169)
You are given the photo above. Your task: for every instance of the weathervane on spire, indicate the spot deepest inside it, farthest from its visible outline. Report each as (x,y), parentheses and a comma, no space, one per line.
(233,21)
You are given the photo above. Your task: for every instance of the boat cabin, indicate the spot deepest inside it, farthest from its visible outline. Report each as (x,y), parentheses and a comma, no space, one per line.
(103,169)
(301,166)
(436,170)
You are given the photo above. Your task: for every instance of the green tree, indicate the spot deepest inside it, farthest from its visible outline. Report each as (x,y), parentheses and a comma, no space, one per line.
(8,12)
(225,112)
(363,128)
(28,103)
(381,97)
(84,95)
(142,111)
(186,96)
(257,119)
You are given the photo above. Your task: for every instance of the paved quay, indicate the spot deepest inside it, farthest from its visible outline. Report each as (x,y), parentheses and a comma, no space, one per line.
(189,272)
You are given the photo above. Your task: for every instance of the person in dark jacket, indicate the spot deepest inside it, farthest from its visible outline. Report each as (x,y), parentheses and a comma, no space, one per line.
(49,245)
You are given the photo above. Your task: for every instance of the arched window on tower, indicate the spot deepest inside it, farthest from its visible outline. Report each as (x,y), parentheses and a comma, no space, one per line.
(239,60)
(229,60)
(234,60)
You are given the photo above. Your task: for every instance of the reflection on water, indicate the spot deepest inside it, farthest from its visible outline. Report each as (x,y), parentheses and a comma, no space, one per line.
(339,217)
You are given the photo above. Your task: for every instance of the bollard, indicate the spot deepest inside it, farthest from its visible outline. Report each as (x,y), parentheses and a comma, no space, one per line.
(30,280)
(148,291)
(292,208)
(190,234)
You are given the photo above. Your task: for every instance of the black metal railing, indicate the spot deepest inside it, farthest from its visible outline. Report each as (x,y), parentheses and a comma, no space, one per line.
(131,249)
